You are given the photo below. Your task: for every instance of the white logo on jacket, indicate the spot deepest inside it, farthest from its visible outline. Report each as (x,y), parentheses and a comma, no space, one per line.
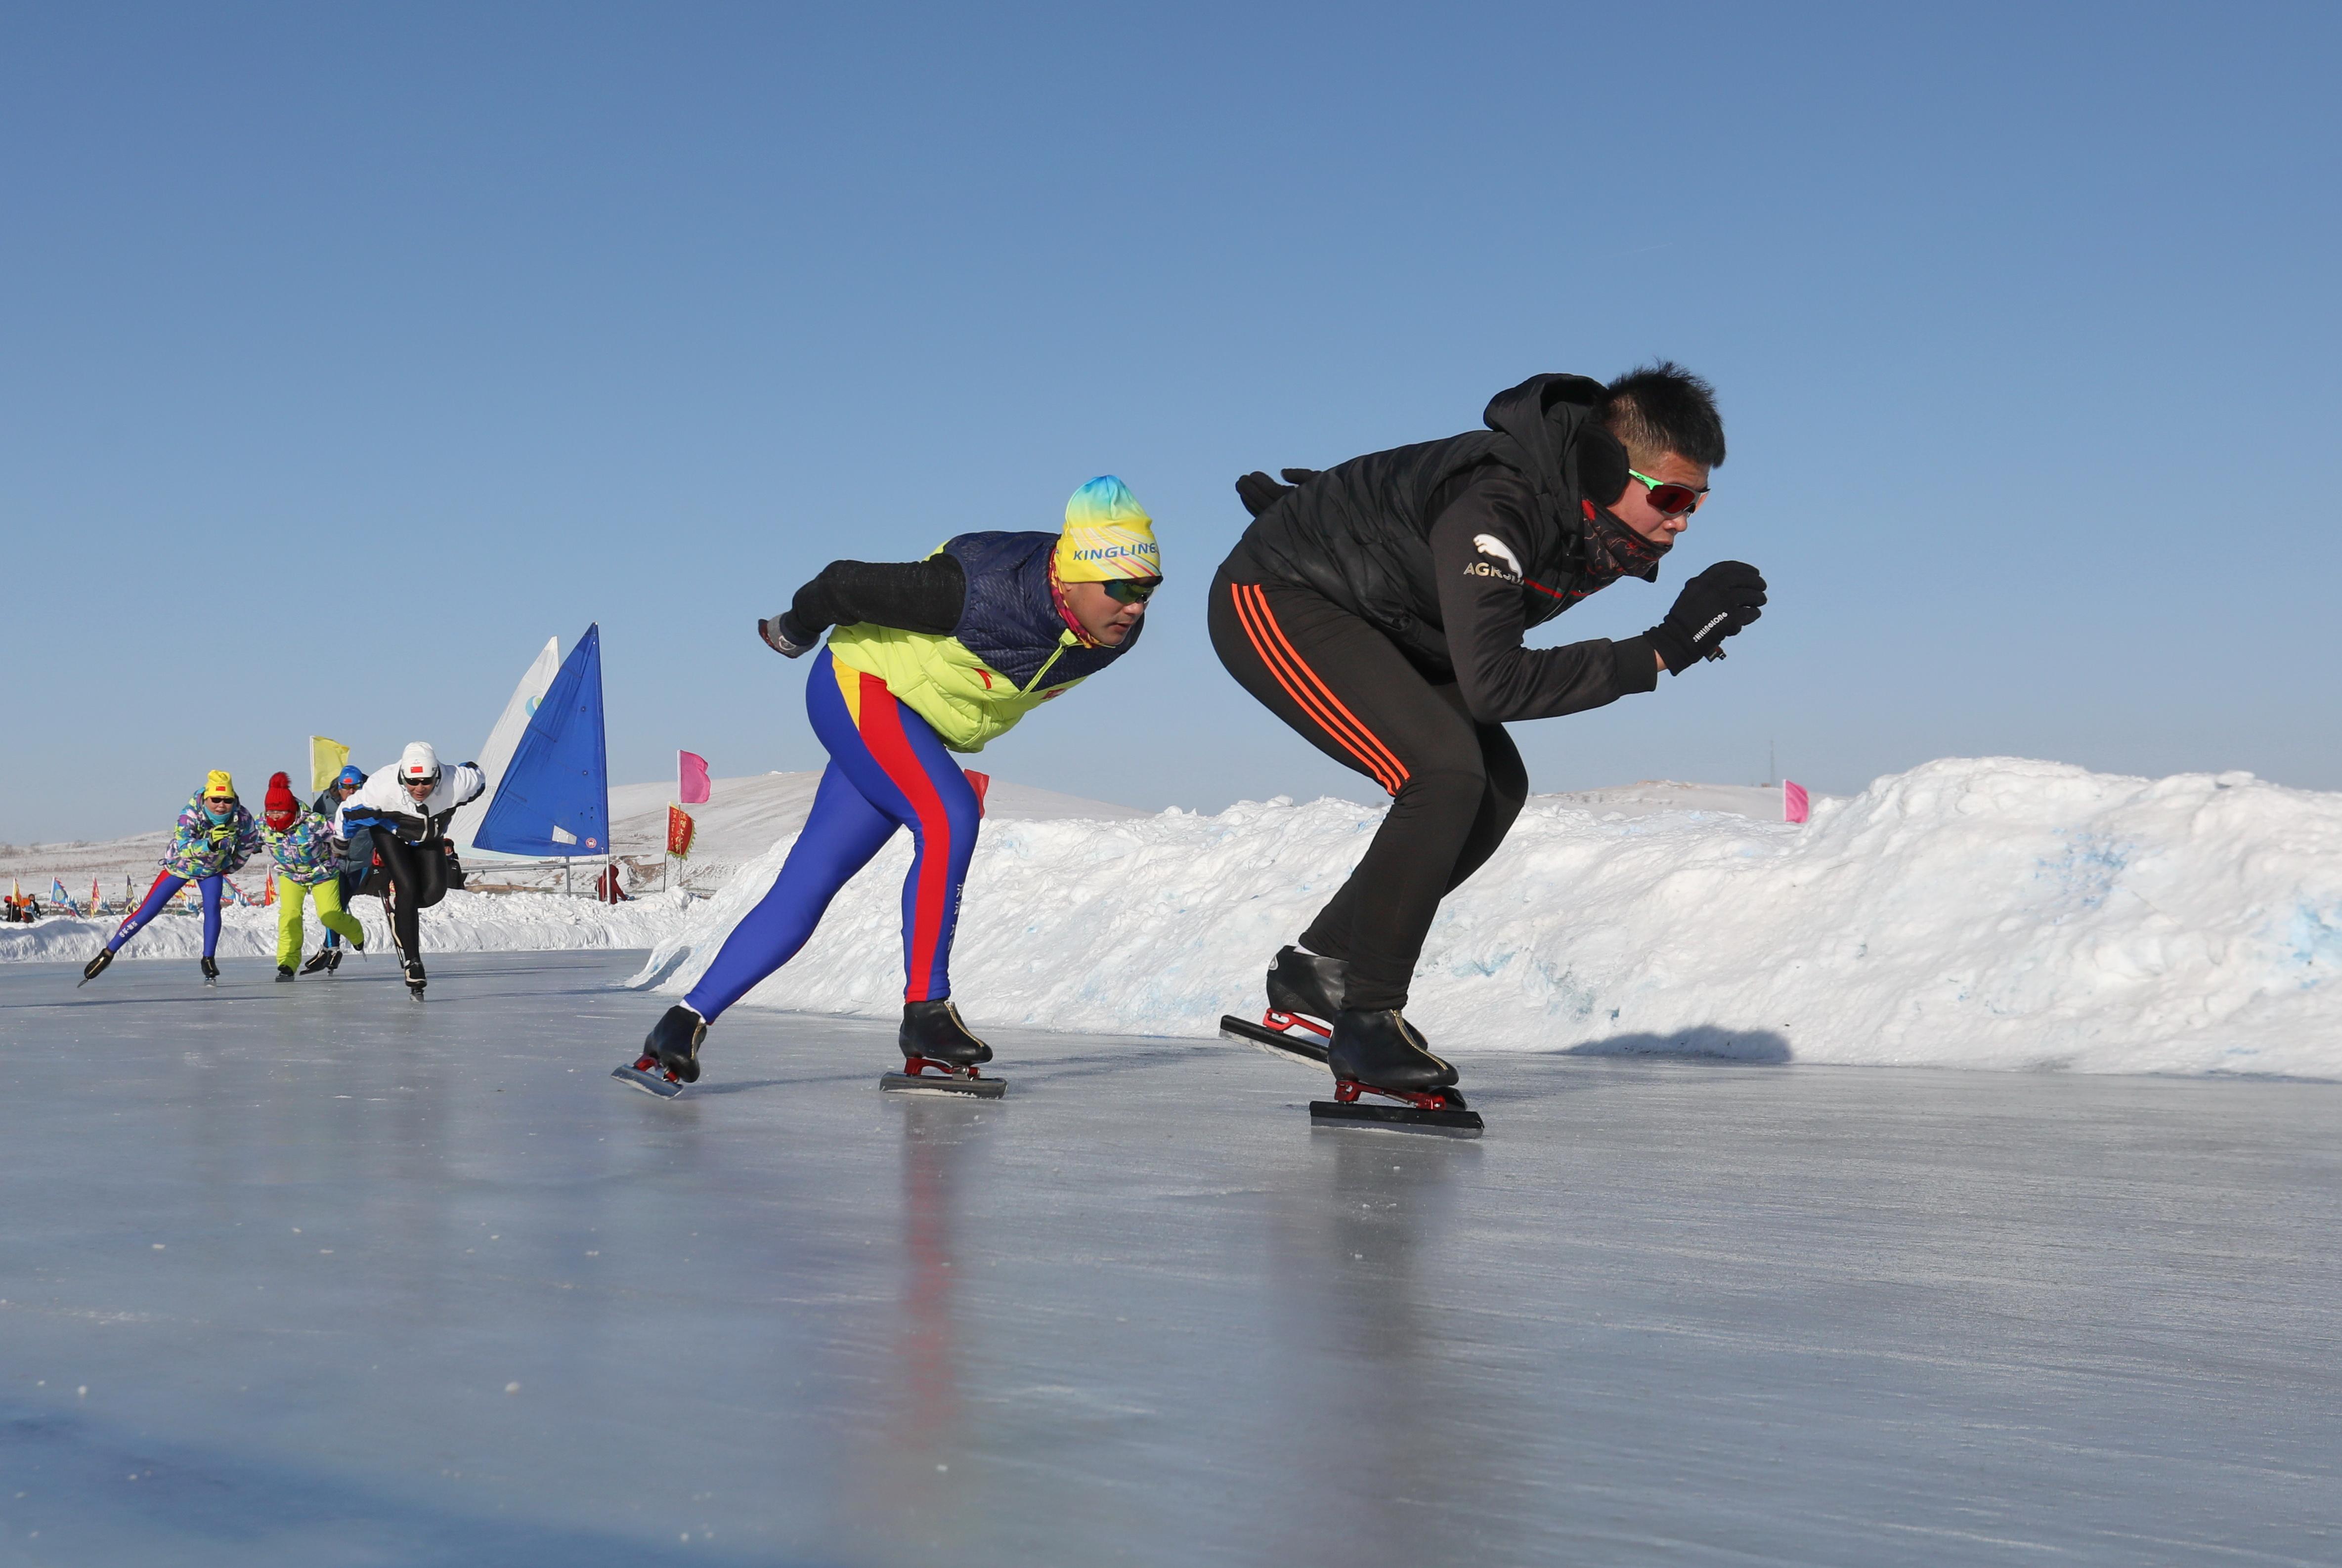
(1490,545)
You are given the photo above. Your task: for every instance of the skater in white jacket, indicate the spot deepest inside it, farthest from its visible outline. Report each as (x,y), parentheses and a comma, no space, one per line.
(407,807)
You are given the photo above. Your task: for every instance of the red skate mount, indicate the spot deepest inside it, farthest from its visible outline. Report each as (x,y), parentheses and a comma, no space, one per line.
(1281,1021)
(1438,1110)
(645,1073)
(1348,1089)
(915,1065)
(946,1079)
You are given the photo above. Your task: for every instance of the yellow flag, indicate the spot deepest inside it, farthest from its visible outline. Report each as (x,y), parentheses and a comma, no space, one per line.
(328,758)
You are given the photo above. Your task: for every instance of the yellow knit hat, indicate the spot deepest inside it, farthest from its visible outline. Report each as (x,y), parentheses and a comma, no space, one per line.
(217,786)
(1108,535)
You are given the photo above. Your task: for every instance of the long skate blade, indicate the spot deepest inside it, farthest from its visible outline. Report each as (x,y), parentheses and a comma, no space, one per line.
(1395,1119)
(941,1083)
(648,1083)
(1297,1047)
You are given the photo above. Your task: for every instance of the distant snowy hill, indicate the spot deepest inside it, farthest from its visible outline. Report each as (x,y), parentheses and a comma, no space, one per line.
(739,822)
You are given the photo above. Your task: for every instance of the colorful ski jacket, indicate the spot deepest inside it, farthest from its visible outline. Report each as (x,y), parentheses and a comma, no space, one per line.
(1010,652)
(306,852)
(196,854)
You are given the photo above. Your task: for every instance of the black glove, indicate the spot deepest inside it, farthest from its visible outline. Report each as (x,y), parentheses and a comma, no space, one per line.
(1712,606)
(781,634)
(1259,492)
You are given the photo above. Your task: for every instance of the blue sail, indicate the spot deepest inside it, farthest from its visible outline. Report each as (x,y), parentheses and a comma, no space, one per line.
(554,796)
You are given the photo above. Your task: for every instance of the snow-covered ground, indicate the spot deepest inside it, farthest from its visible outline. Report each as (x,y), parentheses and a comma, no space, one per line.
(1992,912)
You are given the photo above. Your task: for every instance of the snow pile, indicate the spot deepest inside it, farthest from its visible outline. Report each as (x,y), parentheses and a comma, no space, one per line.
(1989,913)
(461,922)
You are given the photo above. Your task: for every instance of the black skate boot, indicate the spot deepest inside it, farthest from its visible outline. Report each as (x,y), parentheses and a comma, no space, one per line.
(670,1057)
(416,979)
(933,1036)
(95,966)
(284,973)
(211,971)
(1303,988)
(1379,1052)
(324,961)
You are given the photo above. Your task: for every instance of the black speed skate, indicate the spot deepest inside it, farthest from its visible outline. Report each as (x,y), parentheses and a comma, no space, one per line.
(95,966)
(211,971)
(284,973)
(1377,1052)
(1303,988)
(933,1036)
(670,1057)
(324,960)
(416,979)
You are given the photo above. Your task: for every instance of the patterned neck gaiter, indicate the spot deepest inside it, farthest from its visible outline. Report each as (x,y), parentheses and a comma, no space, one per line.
(1613,551)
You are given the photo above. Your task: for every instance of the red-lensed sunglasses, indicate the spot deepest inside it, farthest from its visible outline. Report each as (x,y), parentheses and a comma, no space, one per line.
(1673,500)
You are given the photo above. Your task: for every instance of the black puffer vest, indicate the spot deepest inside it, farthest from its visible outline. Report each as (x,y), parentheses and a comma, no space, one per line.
(1359,534)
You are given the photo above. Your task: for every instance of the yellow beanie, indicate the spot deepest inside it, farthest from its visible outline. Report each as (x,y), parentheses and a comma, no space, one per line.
(217,786)
(1108,535)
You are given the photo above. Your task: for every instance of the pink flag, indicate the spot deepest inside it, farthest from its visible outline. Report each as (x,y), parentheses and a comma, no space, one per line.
(1793,802)
(691,778)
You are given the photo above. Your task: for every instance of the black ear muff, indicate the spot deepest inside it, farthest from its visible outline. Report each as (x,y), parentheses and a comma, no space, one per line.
(1601,464)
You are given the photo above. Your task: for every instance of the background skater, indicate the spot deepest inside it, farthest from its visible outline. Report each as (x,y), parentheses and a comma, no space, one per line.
(406,809)
(930,657)
(309,865)
(1378,608)
(328,804)
(215,836)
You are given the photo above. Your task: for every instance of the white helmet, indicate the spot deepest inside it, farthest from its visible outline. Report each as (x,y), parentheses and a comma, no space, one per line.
(417,763)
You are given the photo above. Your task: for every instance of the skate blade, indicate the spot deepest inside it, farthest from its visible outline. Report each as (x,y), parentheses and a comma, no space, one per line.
(939,1083)
(1292,1047)
(648,1083)
(1333,1114)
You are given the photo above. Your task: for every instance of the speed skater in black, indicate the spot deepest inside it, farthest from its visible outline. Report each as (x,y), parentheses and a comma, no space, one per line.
(1378,608)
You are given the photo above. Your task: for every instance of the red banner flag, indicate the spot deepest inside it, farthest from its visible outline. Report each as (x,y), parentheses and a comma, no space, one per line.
(1793,802)
(979,783)
(679,829)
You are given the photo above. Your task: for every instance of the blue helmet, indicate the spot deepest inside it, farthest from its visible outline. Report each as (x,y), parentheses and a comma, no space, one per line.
(349,775)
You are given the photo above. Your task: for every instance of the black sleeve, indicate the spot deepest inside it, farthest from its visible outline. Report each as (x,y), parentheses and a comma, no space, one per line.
(1476,547)
(914,596)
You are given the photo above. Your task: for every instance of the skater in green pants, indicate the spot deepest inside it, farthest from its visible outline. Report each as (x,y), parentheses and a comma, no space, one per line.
(308,861)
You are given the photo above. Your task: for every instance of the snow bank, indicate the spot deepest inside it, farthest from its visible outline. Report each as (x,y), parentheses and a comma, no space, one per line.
(1991,912)
(461,922)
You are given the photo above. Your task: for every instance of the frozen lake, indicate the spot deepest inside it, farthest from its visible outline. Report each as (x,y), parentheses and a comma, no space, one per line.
(307,1275)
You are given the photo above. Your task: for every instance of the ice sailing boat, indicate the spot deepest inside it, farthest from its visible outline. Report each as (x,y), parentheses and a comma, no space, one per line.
(554,799)
(496,754)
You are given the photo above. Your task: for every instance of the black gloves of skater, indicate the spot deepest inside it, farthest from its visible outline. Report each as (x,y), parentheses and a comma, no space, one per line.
(777,634)
(1712,606)
(1259,492)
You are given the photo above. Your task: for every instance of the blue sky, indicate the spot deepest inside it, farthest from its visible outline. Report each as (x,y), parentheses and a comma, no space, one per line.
(347,353)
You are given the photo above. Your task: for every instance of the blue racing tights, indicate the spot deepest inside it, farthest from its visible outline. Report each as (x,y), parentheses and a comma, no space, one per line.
(887,770)
(161,893)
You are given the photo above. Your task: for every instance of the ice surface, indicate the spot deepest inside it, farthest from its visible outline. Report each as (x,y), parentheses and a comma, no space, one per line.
(309,1275)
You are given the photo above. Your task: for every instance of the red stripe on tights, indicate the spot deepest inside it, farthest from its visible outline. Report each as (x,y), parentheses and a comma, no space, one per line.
(881,726)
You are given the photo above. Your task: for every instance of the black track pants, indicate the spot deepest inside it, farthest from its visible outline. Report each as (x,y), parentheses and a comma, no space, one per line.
(412,877)
(1455,786)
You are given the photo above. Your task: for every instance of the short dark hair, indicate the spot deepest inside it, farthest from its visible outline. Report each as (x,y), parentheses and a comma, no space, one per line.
(1662,407)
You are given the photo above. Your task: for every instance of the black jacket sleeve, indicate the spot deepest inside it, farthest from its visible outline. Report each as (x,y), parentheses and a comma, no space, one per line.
(1477,545)
(914,596)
